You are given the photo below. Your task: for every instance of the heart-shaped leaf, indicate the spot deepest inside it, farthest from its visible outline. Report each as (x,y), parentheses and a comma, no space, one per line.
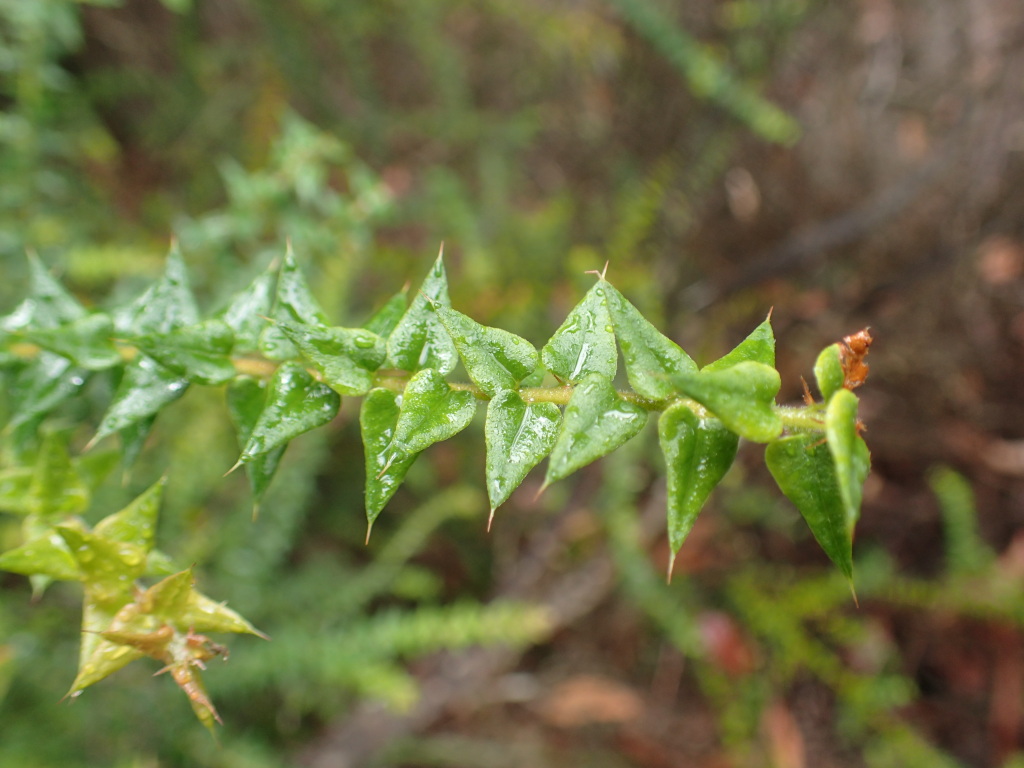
(430,412)
(518,435)
(650,356)
(494,359)
(804,470)
(742,396)
(698,452)
(585,342)
(385,469)
(597,421)
(758,347)
(419,340)
(345,357)
(296,403)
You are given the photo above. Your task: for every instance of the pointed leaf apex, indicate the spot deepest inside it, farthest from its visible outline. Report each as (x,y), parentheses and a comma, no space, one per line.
(490,521)
(671,567)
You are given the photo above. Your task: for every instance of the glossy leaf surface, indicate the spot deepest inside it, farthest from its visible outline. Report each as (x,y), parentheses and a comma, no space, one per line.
(136,523)
(849,453)
(431,411)
(742,396)
(419,340)
(145,389)
(386,319)
(41,386)
(296,403)
(596,422)
(698,452)
(494,359)
(518,435)
(246,313)
(585,342)
(345,357)
(293,303)
(650,357)
(48,304)
(758,347)
(86,342)
(385,469)
(246,397)
(804,470)
(56,489)
(164,306)
(828,371)
(47,555)
(200,353)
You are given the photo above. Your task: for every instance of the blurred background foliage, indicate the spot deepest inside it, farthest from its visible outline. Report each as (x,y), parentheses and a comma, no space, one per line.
(848,163)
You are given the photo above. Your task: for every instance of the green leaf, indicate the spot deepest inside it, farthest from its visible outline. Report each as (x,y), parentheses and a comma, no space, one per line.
(199,353)
(803,468)
(164,306)
(384,321)
(145,389)
(98,657)
(14,490)
(246,397)
(385,469)
(247,312)
(419,340)
(742,396)
(849,452)
(698,452)
(585,342)
(47,555)
(136,523)
(345,357)
(86,342)
(430,412)
(133,440)
(296,403)
(518,435)
(49,304)
(108,568)
(41,386)
(758,347)
(494,359)
(294,303)
(828,371)
(597,421)
(56,489)
(650,357)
